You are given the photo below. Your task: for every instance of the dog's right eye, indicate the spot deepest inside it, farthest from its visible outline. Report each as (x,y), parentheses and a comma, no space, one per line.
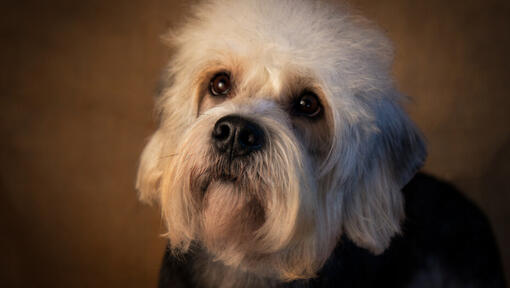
(220,84)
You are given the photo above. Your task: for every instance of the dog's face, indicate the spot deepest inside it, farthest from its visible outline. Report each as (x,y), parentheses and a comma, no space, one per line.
(280,130)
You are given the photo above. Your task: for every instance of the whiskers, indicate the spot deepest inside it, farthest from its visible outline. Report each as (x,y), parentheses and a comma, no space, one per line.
(168,156)
(188,155)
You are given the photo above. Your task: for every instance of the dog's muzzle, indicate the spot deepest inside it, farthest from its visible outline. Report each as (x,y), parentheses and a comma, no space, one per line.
(235,136)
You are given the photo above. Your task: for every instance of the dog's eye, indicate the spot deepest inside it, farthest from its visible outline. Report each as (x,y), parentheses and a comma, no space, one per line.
(220,84)
(308,105)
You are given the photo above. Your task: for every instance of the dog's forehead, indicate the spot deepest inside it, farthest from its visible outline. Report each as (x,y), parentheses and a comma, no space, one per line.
(272,32)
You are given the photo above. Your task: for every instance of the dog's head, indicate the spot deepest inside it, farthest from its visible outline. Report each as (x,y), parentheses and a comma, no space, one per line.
(280,130)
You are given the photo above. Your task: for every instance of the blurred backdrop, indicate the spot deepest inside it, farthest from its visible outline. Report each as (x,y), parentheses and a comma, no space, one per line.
(76,83)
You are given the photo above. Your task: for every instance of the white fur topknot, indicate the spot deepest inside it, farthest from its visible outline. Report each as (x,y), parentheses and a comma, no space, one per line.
(315,180)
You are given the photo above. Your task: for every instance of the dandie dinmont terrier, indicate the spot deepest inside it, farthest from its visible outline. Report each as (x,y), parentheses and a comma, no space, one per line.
(281,156)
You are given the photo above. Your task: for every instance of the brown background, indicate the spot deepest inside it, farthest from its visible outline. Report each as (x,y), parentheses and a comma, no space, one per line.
(75,111)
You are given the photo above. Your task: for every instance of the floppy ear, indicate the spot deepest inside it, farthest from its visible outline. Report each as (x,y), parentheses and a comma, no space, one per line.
(375,207)
(149,172)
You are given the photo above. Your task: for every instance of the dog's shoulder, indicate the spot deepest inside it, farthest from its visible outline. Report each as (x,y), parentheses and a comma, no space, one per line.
(432,201)
(447,232)
(440,217)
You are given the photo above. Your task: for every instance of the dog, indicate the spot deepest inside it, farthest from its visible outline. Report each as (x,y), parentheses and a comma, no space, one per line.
(284,158)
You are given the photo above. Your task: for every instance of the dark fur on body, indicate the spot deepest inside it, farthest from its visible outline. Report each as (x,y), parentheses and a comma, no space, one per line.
(446,241)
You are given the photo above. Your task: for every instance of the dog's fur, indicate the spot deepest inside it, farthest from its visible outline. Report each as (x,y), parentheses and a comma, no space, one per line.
(275,216)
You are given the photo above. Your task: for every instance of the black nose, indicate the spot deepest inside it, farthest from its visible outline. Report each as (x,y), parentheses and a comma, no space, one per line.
(236,136)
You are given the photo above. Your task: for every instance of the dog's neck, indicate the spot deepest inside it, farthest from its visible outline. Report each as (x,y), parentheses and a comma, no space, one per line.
(209,272)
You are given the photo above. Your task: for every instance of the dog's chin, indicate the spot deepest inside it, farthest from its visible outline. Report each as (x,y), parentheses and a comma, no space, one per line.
(230,215)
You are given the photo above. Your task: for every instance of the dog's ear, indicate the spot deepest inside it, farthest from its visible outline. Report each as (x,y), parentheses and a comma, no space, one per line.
(375,207)
(149,172)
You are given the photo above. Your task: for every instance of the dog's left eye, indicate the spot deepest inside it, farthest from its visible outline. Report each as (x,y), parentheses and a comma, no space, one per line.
(308,105)
(220,84)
